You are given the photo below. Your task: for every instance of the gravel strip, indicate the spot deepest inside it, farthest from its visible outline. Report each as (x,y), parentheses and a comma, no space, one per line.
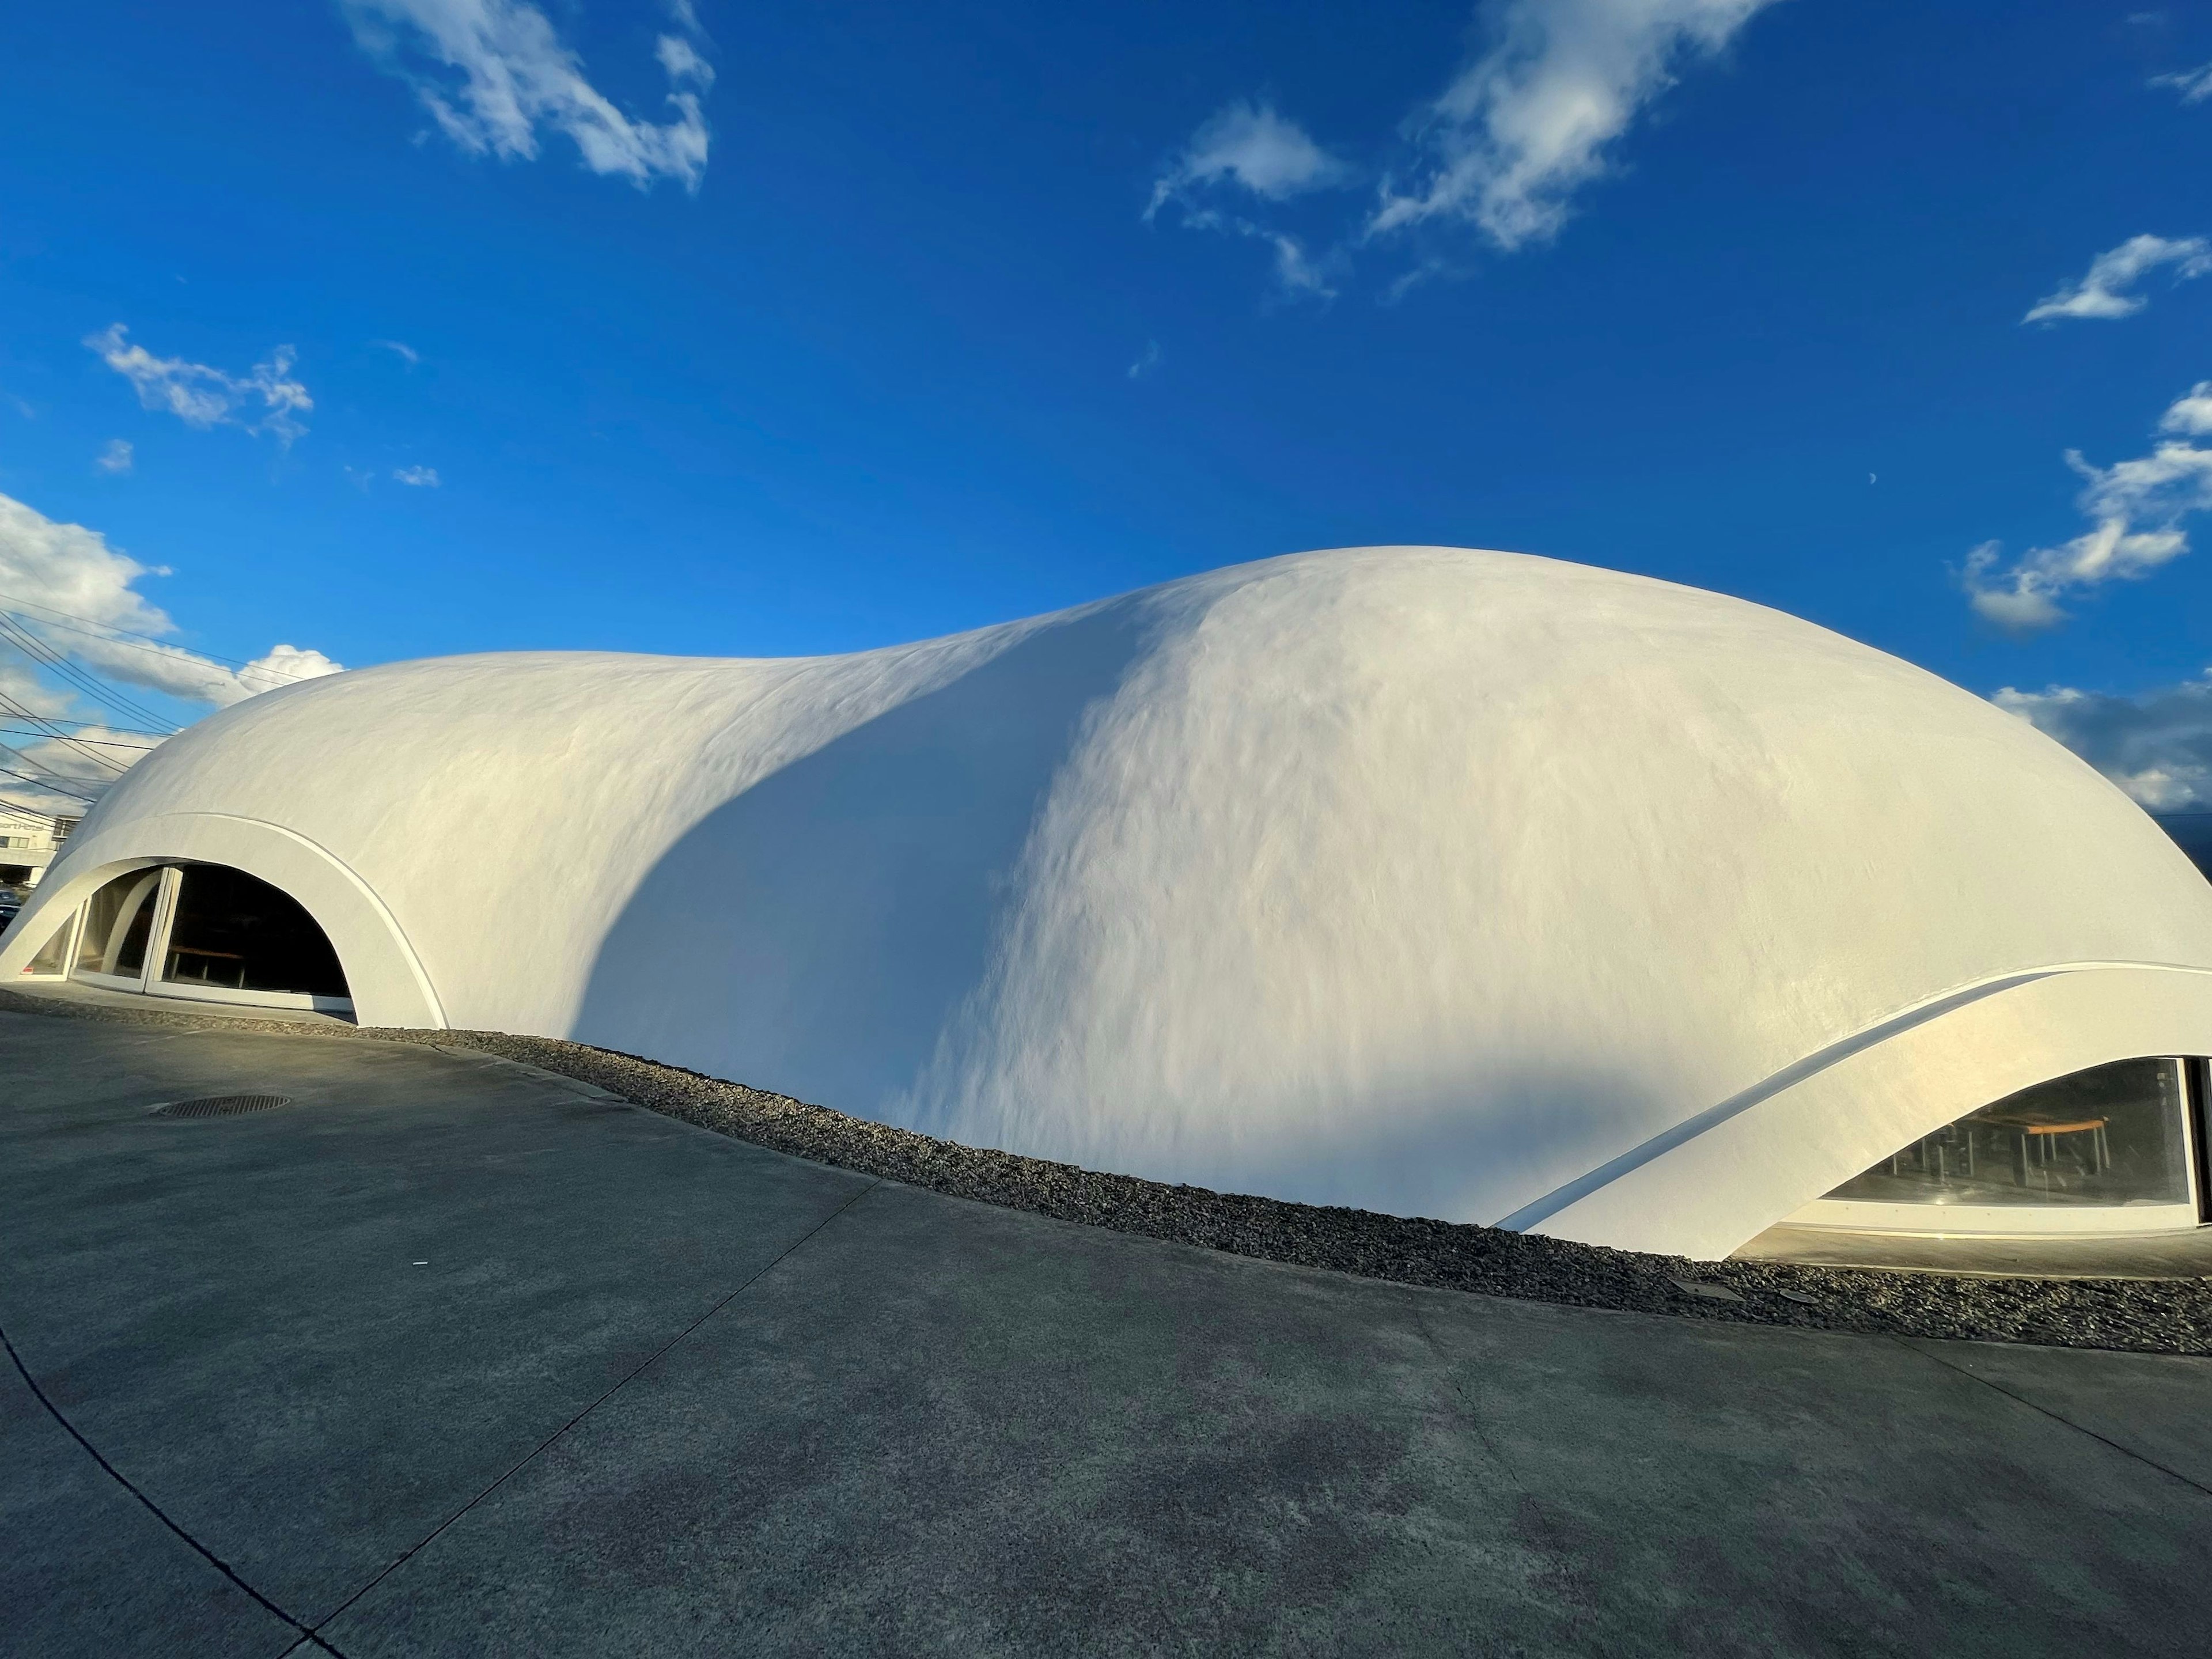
(2141,1316)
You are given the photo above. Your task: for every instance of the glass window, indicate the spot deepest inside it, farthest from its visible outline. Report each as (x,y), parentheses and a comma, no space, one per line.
(232,931)
(52,958)
(2109,1136)
(116,924)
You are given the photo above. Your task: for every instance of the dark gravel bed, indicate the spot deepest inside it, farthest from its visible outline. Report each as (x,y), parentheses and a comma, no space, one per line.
(2144,1316)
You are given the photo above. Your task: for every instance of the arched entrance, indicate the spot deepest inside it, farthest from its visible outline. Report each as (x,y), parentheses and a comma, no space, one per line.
(385,980)
(203,932)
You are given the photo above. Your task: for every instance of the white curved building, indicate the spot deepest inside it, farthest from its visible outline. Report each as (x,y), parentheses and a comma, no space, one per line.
(1444,883)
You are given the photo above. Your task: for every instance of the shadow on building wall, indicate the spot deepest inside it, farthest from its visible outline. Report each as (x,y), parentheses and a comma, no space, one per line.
(813,935)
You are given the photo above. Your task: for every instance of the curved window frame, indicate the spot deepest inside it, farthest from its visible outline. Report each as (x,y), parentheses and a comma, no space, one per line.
(147,982)
(2022,1220)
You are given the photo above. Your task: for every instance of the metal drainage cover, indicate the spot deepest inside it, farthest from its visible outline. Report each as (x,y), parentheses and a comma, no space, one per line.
(222,1105)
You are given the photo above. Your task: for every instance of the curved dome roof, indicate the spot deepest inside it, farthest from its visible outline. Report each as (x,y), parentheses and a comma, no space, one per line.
(1459,883)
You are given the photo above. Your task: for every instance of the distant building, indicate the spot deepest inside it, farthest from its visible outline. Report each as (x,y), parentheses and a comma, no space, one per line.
(29,842)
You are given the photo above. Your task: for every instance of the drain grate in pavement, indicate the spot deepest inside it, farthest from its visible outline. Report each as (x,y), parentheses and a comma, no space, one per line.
(222,1105)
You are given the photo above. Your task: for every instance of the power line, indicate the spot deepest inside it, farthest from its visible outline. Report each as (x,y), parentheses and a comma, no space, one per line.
(47,776)
(27,815)
(114,635)
(17,635)
(50,732)
(40,783)
(48,722)
(73,738)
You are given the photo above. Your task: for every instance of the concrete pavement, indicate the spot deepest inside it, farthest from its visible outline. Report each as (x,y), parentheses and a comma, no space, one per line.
(651,1390)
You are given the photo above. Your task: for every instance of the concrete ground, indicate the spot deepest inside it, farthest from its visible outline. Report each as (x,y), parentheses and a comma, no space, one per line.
(454,1356)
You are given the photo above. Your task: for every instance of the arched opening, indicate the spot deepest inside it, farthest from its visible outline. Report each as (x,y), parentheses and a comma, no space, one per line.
(2117,1148)
(201,932)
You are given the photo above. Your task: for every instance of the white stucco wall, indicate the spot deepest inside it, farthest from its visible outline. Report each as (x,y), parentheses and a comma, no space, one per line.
(1422,879)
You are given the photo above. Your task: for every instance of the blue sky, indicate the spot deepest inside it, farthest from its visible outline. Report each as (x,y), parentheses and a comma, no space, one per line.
(756,331)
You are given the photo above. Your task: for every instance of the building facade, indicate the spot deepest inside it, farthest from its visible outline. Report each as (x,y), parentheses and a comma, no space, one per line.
(1425,880)
(29,842)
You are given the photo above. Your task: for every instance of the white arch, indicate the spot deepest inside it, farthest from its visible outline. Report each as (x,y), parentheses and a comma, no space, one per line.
(1706,1187)
(387,981)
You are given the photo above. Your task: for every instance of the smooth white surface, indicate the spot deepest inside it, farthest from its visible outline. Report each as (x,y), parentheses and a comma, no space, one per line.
(1416,878)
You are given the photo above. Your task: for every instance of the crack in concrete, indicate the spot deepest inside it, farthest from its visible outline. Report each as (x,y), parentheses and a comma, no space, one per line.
(306,1632)
(629,1376)
(2057,1417)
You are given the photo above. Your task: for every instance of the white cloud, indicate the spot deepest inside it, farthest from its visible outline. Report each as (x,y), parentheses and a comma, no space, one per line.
(492,73)
(681,62)
(2157,746)
(401,350)
(1529,122)
(2194,85)
(1299,274)
(282,664)
(2136,508)
(77,594)
(1252,146)
(422,477)
(202,397)
(2103,292)
(1147,360)
(1502,149)
(116,458)
(2192,412)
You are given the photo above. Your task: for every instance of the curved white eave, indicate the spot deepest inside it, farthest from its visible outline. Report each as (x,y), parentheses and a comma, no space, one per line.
(387,981)
(1704,1188)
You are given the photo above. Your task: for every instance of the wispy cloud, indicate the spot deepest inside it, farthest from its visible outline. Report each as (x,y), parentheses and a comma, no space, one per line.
(2195,85)
(2137,509)
(116,458)
(493,74)
(2192,413)
(1251,146)
(1299,274)
(1250,150)
(1148,360)
(202,397)
(79,597)
(2104,290)
(1529,122)
(2157,746)
(422,477)
(1499,153)
(401,350)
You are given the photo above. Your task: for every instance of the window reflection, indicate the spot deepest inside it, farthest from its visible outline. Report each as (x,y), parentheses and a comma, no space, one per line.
(2112,1135)
(116,924)
(235,931)
(52,958)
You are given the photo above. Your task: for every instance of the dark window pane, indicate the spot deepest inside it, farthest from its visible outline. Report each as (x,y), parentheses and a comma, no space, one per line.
(236,932)
(116,925)
(2112,1135)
